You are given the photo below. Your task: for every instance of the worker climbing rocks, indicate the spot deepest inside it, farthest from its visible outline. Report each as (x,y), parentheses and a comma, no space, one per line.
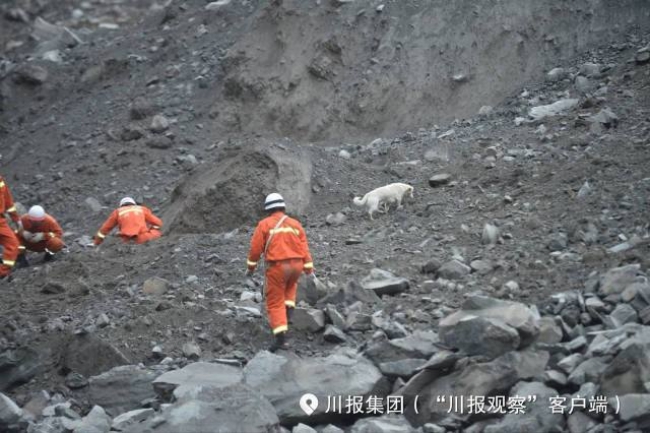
(8,238)
(282,241)
(40,233)
(136,223)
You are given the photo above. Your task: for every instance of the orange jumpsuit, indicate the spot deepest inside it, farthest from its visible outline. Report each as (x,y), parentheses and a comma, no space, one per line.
(53,240)
(136,223)
(286,257)
(8,238)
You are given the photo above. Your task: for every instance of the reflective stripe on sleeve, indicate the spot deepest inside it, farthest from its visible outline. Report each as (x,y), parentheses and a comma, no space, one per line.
(290,303)
(308,265)
(250,263)
(9,263)
(52,235)
(100,235)
(11,209)
(2,183)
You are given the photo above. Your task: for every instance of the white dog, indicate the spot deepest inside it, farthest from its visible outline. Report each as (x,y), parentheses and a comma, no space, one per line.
(383,197)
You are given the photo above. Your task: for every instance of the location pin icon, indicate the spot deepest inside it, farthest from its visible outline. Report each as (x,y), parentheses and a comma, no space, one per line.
(308,403)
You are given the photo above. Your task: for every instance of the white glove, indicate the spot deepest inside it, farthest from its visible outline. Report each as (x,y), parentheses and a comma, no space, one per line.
(37,237)
(27,235)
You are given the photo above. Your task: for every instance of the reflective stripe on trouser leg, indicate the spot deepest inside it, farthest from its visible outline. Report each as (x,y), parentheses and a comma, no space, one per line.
(10,244)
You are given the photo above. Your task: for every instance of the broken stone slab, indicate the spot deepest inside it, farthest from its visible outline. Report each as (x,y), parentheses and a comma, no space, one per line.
(629,371)
(622,314)
(357,321)
(97,421)
(476,335)
(123,388)
(588,371)
(335,317)
(513,314)
(30,74)
(384,283)
(308,319)
(634,408)
(52,37)
(391,328)
(343,373)
(310,290)
(549,331)
(233,409)
(126,420)
(420,344)
(189,380)
(20,365)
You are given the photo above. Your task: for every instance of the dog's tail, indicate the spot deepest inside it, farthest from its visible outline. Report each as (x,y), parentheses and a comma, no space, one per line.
(360,201)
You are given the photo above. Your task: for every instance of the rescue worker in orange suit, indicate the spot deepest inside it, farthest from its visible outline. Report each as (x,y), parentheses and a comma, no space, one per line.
(282,241)
(40,233)
(8,239)
(136,223)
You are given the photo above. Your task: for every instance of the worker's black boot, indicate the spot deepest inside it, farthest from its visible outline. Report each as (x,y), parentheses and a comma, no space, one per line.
(280,342)
(21,261)
(290,311)
(48,257)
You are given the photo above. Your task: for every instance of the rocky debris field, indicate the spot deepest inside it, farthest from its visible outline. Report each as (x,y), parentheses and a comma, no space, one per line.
(510,294)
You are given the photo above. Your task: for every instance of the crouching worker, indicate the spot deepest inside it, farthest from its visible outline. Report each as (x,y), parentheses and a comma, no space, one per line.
(40,233)
(136,223)
(283,243)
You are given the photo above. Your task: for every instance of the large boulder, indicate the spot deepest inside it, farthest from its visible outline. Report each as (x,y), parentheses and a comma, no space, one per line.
(384,424)
(616,280)
(513,314)
(10,413)
(190,379)
(123,388)
(229,193)
(19,366)
(477,335)
(233,409)
(284,381)
(630,370)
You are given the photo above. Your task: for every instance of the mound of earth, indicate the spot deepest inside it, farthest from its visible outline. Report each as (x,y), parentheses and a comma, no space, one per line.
(232,192)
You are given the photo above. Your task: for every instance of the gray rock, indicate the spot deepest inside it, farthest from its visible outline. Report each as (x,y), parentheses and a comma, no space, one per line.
(439,180)
(391,328)
(337,374)
(217,5)
(431,267)
(125,420)
(583,85)
(537,417)
(30,74)
(303,428)
(310,290)
(159,124)
(481,267)
(605,117)
(331,429)
(19,366)
(420,344)
(131,133)
(234,409)
(159,142)
(191,350)
(485,111)
(10,413)
(454,270)
(580,422)
(333,334)
(477,335)
(549,331)
(189,380)
(541,112)
(384,283)
(310,320)
(404,368)
(156,286)
(630,369)
(557,242)
(590,69)
(384,424)
(336,219)
(527,364)
(571,362)
(556,74)
(588,371)
(555,379)
(635,408)
(48,425)
(622,314)
(141,108)
(121,389)
(335,317)
(97,421)
(75,380)
(490,234)
(358,322)
(513,314)
(642,56)
(93,204)
(103,321)
(89,355)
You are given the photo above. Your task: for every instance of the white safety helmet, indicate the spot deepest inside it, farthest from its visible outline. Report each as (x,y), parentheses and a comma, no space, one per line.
(126,200)
(36,213)
(274,201)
